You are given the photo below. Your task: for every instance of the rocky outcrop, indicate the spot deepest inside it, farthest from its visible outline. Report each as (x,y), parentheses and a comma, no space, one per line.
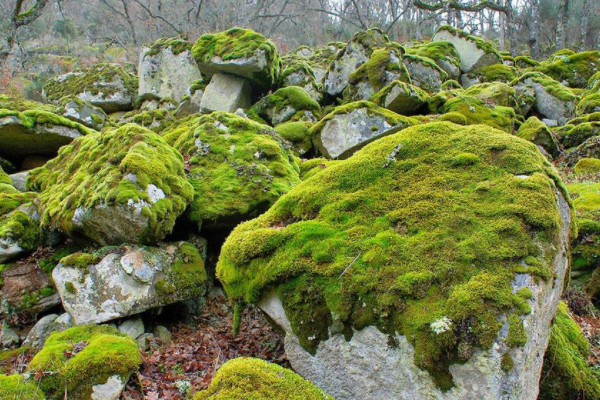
(474,52)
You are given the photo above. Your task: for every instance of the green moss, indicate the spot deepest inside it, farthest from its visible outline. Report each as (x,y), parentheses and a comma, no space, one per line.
(237,167)
(186,275)
(17,222)
(480,43)
(476,111)
(575,69)
(18,387)
(95,170)
(594,82)
(437,51)
(507,363)
(525,62)
(313,166)
(552,86)
(576,135)
(497,93)
(251,378)
(589,104)
(175,44)
(587,166)
(517,337)
(80,260)
(90,80)
(78,358)
(408,58)
(494,73)
(280,101)
(297,133)
(407,231)
(383,61)
(408,99)
(566,373)
(537,132)
(451,84)
(19,104)
(454,117)
(238,43)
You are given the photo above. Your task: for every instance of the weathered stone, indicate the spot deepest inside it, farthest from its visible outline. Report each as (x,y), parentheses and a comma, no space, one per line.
(111,390)
(226,92)
(45,327)
(424,73)
(8,337)
(474,52)
(163,334)
(134,327)
(77,110)
(401,98)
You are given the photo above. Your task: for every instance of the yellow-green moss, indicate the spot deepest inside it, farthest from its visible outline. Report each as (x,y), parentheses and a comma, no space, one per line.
(382,62)
(494,73)
(480,43)
(75,360)
(588,105)
(525,62)
(587,166)
(17,387)
(575,69)
(476,111)
(437,51)
(566,373)
(408,230)
(95,170)
(292,96)
(251,378)
(537,132)
(497,93)
(313,166)
(297,133)
(552,86)
(186,275)
(175,44)
(410,99)
(575,135)
(237,167)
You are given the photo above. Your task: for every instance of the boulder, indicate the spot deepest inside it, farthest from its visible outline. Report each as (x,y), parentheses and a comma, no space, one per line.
(588,149)
(240,52)
(402,98)
(167,68)
(119,282)
(491,73)
(88,362)
(574,70)
(588,105)
(296,71)
(133,327)
(424,73)
(298,134)
(474,52)
(290,103)
(430,263)
(85,113)
(261,381)
(110,87)
(477,111)
(9,338)
(45,327)
(190,102)
(537,132)
(444,54)
(227,93)
(495,93)
(349,127)
(237,167)
(350,58)
(124,185)
(19,180)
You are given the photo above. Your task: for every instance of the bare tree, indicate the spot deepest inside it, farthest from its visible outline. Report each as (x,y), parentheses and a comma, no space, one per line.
(563,19)
(585,18)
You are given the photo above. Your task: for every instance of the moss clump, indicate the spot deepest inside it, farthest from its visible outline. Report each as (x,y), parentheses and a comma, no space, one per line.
(552,86)
(297,133)
(251,378)
(574,69)
(587,166)
(494,73)
(384,65)
(75,360)
(175,44)
(525,62)
(313,166)
(451,84)
(575,135)
(476,111)
(13,387)
(234,44)
(594,82)
(80,260)
(439,51)
(537,132)
(480,43)
(588,105)
(402,98)
(507,363)
(119,167)
(358,238)
(497,93)
(237,167)
(566,373)
(97,79)
(18,104)
(290,103)
(17,221)
(186,277)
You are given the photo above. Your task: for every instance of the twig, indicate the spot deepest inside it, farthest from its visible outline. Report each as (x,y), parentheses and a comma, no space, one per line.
(351,264)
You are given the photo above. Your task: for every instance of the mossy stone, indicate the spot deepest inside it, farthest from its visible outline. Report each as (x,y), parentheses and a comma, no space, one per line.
(18,387)
(587,166)
(575,69)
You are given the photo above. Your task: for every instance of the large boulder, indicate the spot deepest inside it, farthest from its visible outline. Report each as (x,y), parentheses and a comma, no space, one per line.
(444,54)
(240,52)
(226,92)
(430,263)
(261,381)
(119,282)
(424,73)
(474,52)
(401,98)
(108,86)
(237,167)
(290,103)
(167,68)
(351,126)
(574,70)
(87,362)
(124,185)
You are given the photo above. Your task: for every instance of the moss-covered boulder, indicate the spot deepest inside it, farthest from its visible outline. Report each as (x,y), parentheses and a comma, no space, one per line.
(297,71)
(401,98)
(553,100)
(251,378)
(424,73)
(477,111)
(439,248)
(567,374)
(587,166)
(474,52)
(444,54)
(116,282)
(85,113)
(491,73)
(123,185)
(112,87)
(572,136)
(350,58)
(496,93)
(240,52)
(537,132)
(594,82)
(588,105)
(574,69)
(167,68)
(298,133)
(85,362)
(13,387)
(383,67)
(290,103)
(351,126)
(590,148)
(237,167)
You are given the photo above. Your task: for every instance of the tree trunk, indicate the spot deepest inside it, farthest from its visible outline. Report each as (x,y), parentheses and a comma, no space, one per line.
(130,23)
(585,17)
(561,29)
(534,30)
(502,39)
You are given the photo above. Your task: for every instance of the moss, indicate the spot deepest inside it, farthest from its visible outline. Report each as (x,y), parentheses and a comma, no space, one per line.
(96,170)
(576,135)
(553,87)
(594,82)
(589,104)
(238,43)
(175,44)
(525,62)
(478,112)
(497,93)
(280,101)
(92,80)
(408,58)
(408,99)
(18,104)
(313,166)
(575,69)
(251,378)
(382,63)
(437,51)
(237,167)
(408,230)
(78,358)
(454,117)
(537,132)
(587,166)
(297,133)
(507,363)
(186,275)
(494,73)
(18,387)
(80,260)
(451,84)
(480,43)
(566,373)
(517,337)
(17,222)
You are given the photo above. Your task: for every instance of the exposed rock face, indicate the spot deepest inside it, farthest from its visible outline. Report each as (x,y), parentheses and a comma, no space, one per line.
(128,280)
(474,52)
(77,110)
(350,127)
(167,68)
(424,73)
(444,54)
(402,98)
(227,93)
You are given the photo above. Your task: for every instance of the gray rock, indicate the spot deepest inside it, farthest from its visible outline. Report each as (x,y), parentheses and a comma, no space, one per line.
(40,331)
(402,98)
(163,334)
(471,55)
(111,390)
(143,341)
(19,179)
(424,73)
(166,74)
(128,281)
(133,327)
(367,367)
(226,93)
(83,112)
(548,105)
(9,338)
(14,243)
